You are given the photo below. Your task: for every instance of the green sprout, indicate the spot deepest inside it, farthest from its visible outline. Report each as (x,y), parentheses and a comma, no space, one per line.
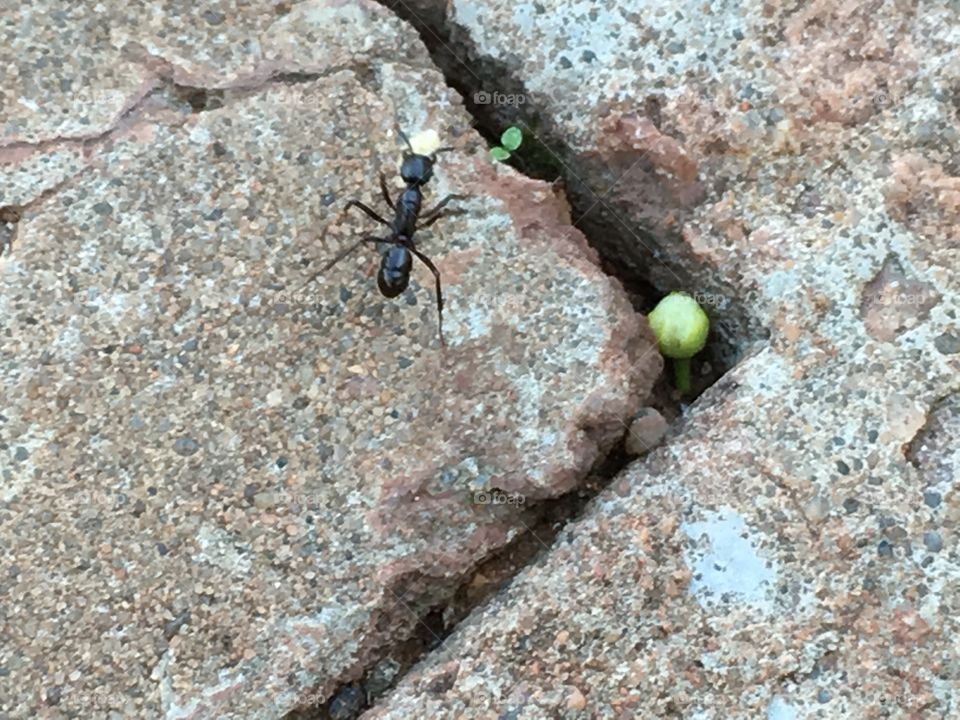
(681,327)
(509,141)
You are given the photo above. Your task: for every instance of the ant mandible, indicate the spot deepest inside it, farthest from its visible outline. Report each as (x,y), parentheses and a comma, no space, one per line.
(396,264)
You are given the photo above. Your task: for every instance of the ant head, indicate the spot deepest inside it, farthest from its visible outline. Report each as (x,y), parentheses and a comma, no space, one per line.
(394,274)
(416,169)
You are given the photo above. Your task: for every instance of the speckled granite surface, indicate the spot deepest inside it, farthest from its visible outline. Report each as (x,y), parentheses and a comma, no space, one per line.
(221,494)
(792,552)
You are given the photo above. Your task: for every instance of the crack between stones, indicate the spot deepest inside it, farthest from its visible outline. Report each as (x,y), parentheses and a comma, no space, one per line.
(164,83)
(162,91)
(362,688)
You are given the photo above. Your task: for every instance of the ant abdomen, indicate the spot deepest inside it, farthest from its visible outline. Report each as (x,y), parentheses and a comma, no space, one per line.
(394,275)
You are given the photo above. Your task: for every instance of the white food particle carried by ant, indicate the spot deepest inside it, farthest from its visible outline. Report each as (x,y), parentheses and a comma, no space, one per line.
(424,143)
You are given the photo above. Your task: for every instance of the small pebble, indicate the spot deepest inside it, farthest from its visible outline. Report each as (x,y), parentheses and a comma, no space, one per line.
(646,431)
(817,508)
(170,629)
(931,498)
(932,541)
(265,500)
(214,17)
(948,343)
(185,446)
(576,700)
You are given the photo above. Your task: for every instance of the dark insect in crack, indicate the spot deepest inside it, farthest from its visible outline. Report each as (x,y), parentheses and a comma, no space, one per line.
(397,262)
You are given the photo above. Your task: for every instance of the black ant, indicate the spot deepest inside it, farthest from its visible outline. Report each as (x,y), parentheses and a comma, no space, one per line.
(396,263)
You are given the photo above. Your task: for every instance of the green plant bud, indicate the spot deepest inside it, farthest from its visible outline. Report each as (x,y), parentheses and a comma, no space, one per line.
(680,324)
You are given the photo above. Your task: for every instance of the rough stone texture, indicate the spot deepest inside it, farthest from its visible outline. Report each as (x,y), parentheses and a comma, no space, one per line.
(222,495)
(793,551)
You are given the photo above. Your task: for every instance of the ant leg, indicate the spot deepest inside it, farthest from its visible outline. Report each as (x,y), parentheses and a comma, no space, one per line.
(443,204)
(428,217)
(371,213)
(385,191)
(340,257)
(436,276)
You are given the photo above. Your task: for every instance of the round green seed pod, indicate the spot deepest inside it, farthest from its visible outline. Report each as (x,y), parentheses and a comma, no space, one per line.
(680,324)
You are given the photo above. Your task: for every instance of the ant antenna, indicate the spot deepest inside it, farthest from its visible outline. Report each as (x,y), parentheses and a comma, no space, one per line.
(406,140)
